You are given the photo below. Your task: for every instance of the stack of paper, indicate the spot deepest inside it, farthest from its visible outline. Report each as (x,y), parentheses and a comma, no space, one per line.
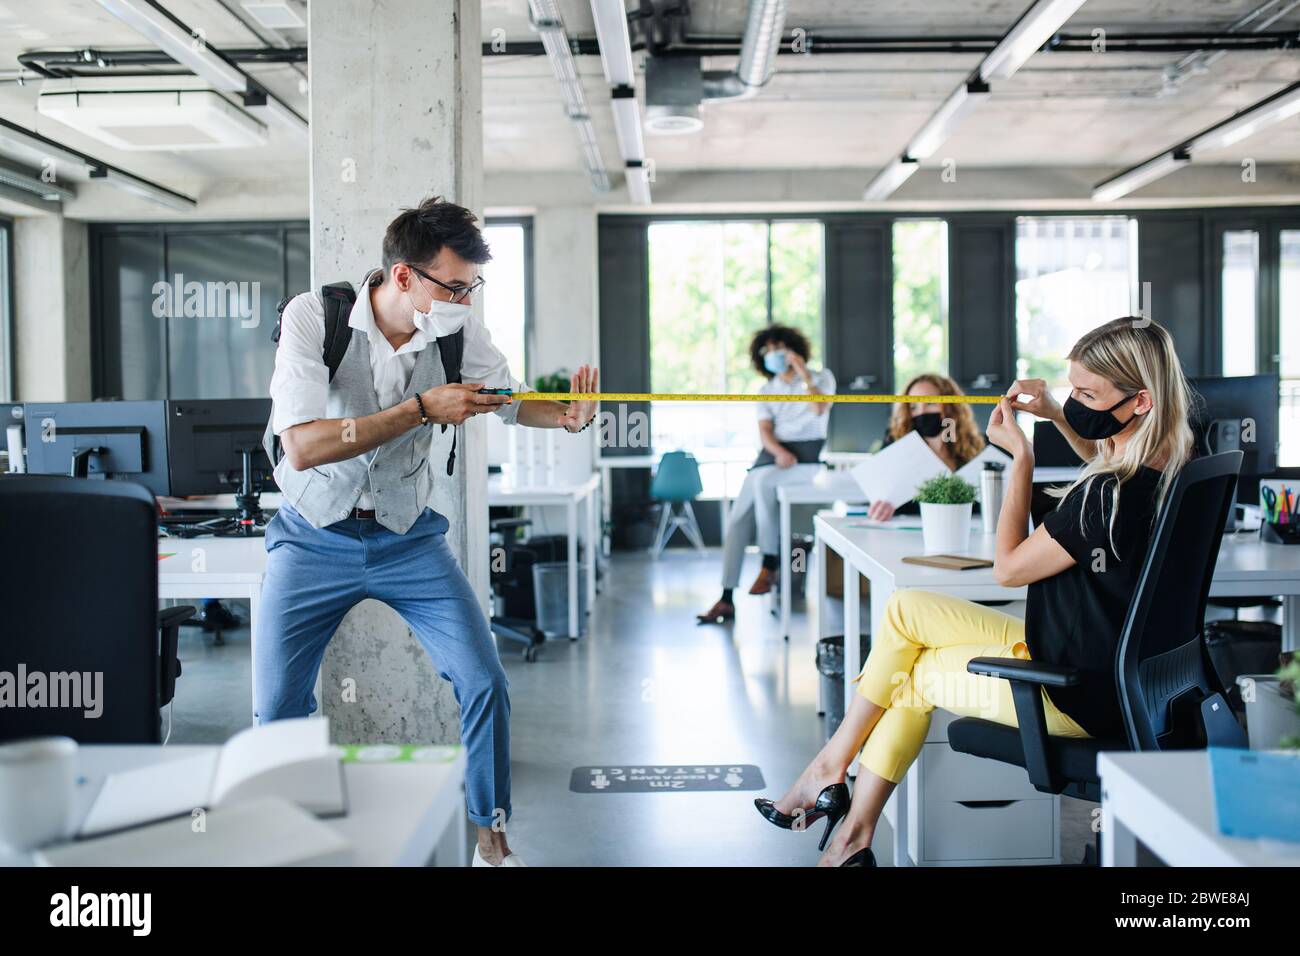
(894,473)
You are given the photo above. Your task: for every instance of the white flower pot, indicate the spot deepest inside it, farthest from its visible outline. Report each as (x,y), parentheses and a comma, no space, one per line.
(1270,714)
(946,528)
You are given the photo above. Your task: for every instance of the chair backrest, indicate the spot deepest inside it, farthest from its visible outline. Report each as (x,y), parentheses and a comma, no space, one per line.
(677,478)
(1169,692)
(79,605)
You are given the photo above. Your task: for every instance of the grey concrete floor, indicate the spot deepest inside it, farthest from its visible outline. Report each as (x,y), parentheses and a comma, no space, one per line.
(645,685)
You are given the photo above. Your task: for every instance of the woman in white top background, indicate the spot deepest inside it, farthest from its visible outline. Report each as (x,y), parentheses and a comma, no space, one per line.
(792,435)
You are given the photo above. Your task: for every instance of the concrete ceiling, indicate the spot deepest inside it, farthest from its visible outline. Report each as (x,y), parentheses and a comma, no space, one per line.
(820,111)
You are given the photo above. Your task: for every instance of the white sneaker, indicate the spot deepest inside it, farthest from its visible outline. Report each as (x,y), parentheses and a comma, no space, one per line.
(511,860)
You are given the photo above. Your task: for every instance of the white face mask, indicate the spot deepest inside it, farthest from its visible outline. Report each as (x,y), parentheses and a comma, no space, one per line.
(443,318)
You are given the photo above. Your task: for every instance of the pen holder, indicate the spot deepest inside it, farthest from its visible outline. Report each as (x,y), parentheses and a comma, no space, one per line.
(1280,533)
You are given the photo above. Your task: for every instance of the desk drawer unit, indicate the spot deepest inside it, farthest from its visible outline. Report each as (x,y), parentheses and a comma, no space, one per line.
(972,811)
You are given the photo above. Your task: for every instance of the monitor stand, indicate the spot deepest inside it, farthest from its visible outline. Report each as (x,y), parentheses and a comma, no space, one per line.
(251,521)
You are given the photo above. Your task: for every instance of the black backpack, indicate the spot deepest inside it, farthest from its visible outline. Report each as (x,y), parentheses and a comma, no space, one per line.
(338,299)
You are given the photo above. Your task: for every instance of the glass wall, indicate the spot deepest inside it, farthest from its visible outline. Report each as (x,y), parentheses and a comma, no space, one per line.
(1239,286)
(506,294)
(1072,274)
(1289,344)
(6,311)
(713,284)
(187,311)
(920,298)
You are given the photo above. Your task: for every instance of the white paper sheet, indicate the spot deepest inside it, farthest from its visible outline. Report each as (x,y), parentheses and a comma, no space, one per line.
(893,473)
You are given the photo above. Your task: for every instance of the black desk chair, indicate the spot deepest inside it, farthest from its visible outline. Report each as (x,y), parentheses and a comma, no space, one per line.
(1168,690)
(520,629)
(79,595)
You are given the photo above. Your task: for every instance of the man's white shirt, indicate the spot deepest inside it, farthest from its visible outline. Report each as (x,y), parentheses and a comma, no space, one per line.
(300,383)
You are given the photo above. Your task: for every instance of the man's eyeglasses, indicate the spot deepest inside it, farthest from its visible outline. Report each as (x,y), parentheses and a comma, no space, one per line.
(459,293)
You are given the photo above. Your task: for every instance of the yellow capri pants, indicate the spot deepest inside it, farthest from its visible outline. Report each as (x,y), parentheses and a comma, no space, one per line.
(918,662)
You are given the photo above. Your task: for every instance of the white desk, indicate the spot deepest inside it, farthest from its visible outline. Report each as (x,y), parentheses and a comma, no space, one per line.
(832,486)
(398,813)
(1165,800)
(828,486)
(568,496)
(1246,567)
(216,568)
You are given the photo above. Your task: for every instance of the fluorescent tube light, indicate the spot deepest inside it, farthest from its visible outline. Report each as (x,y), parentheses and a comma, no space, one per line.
(638,184)
(627,124)
(941,125)
(1277,108)
(890,178)
(50,192)
(146,190)
(167,33)
(1137,177)
(1035,27)
(615,44)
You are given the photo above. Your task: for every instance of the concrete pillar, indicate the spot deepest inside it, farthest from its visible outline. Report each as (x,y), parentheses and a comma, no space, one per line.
(52,310)
(566,312)
(396,115)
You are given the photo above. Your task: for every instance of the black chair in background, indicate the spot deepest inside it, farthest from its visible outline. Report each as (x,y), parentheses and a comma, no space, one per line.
(1169,693)
(512,584)
(79,595)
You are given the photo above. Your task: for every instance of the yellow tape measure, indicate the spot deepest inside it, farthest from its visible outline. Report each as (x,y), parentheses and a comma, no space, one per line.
(837,399)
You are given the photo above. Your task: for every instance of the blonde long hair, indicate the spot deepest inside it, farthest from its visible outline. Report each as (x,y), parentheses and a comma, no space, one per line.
(967,441)
(1135,354)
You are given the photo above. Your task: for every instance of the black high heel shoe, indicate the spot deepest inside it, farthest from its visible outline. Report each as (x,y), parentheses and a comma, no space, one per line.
(832,803)
(863,857)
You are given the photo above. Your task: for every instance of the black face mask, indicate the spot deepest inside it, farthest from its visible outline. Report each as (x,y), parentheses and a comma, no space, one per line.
(928,424)
(1092,424)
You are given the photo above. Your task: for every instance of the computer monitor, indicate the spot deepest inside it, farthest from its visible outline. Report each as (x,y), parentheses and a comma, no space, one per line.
(1051,449)
(215,447)
(1238,412)
(208,441)
(855,427)
(125,441)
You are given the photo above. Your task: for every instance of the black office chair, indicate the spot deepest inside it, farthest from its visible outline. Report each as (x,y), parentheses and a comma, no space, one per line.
(1169,693)
(79,595)
(516,576)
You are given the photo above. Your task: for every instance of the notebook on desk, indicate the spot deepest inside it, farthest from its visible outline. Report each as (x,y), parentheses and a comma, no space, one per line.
(291,759)
(949,562)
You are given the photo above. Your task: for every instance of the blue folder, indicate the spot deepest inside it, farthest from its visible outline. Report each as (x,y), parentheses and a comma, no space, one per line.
(1256,793)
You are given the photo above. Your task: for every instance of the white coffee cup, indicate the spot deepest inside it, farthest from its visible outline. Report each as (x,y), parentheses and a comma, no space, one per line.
(38,782)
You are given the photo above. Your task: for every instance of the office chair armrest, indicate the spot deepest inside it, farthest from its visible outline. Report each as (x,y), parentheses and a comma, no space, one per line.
(1033,672)
(170,620)
(1028,678)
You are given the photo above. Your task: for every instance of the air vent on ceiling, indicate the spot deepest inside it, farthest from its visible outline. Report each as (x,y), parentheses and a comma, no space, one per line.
(155,119)
(275,14)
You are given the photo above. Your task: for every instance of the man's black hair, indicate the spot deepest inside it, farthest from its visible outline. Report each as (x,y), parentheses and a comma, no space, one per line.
(418,235)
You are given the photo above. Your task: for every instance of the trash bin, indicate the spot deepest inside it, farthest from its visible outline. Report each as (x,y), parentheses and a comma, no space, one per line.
(1272,714)
(830,665)
(1242,647)
(551,594)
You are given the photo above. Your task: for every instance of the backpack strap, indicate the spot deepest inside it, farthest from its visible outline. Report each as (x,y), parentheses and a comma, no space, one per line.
(451,349)
(338,299)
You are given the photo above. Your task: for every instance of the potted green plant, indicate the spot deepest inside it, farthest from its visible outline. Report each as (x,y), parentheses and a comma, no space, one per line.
(555,382)
(945,502)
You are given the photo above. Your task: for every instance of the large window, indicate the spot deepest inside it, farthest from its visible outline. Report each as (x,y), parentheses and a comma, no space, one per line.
(920,298)
(1072,274)
(712,286)
(1239,285)
(6,311)
(1289,344)
(506,294)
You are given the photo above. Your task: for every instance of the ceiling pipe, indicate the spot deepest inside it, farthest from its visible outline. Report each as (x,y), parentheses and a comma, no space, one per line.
(758,49)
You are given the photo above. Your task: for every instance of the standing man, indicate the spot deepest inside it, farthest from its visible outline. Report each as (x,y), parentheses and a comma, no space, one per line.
(357,477)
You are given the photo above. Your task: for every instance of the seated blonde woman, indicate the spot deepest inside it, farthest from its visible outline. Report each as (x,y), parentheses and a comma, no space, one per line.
(949,430)
(1127,417)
